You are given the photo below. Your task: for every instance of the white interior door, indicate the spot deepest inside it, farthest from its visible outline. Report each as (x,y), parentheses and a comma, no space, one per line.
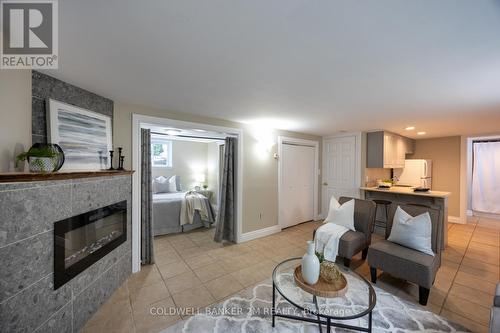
(339,169)
(297,184)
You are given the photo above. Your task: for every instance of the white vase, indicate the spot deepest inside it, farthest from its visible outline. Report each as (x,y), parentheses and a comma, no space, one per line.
(310,265)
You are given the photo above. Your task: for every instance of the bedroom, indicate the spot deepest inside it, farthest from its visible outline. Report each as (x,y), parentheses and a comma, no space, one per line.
(186,169)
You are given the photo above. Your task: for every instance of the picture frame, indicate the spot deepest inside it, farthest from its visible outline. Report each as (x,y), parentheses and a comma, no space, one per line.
(85,136)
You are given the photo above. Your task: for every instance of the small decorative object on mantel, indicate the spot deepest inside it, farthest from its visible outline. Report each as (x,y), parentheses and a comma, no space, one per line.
(205,186)
(43,157)
(120,159)
(111,152)
(310,265)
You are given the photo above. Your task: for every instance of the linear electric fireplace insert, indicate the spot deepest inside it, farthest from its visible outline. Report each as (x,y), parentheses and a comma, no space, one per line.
(81,240)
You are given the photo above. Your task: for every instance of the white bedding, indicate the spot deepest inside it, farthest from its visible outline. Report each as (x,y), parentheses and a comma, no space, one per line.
(167,211)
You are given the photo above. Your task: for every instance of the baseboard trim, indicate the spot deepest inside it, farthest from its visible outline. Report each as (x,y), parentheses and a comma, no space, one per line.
(454,219)
(247,236)
(319,217)
(487,215)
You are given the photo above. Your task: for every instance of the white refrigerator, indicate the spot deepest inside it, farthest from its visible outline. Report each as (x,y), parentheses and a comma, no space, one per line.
(416,173)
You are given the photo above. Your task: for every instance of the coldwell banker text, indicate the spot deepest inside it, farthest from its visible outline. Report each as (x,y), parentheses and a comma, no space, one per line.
(29,34)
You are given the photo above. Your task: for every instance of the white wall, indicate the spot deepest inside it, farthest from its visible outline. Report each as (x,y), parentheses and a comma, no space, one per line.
(260,169)
(189,158)
(15,115)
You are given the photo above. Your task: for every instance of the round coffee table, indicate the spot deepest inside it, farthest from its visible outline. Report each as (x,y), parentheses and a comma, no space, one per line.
(359,300)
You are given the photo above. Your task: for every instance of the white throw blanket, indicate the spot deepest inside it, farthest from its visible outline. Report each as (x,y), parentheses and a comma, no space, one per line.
(327,239)
(193,201)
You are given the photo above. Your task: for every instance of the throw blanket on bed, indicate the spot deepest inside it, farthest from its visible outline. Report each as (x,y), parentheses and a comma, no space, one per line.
(194,201)
(327,239)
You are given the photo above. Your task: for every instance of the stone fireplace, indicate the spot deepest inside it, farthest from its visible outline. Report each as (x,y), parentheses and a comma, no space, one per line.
(78,223)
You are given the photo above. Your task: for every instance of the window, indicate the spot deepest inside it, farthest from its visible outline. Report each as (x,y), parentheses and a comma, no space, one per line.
(161,153)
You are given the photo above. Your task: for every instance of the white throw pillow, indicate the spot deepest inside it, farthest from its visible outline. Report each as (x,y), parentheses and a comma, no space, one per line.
(413,232)
(341,214)
(172,184)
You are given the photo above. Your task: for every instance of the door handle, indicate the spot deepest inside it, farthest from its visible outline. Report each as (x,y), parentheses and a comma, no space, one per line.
(325,184)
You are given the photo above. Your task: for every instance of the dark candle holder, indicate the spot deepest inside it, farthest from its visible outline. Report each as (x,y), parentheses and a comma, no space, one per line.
(120,163)
(120,159)
(111,152)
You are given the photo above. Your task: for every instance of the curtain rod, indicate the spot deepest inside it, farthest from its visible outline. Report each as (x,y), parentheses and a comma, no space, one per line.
(189,136)
(484,141)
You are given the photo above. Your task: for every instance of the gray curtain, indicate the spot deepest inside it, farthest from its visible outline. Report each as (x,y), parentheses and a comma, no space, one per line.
(226,220)
(147,250)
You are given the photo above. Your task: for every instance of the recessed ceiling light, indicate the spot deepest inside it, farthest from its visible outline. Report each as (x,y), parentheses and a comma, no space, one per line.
(410,128)
(198,130)
(421,133)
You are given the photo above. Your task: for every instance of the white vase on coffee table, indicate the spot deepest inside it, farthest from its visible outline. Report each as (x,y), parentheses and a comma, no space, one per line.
(310,265)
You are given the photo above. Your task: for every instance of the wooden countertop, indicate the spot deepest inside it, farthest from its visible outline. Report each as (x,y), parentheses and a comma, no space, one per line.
(11,177)
(407,191)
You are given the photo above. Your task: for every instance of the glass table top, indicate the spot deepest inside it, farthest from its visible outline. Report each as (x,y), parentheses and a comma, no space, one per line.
(358,301)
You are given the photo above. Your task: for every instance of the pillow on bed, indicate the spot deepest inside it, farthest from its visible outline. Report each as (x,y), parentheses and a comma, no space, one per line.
(160,185)
(172,184)
(164,185)
(178,183)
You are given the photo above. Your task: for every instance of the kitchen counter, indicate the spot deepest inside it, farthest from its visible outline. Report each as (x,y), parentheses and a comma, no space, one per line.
(407,190)
(401,195)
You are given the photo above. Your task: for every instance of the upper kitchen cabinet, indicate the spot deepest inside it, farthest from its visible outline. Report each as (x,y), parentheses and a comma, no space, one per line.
(387,150)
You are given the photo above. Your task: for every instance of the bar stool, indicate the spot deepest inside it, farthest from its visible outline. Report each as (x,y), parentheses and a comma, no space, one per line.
(384,203)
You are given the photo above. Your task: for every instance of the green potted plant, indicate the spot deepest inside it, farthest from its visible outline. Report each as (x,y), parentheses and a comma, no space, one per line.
(205,186)
(43,159)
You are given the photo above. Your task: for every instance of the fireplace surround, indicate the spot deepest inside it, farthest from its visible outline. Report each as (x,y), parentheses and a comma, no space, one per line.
(81,240)
(29,211)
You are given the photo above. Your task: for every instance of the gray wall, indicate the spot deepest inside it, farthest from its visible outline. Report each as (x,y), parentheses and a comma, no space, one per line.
(44,87)
(28,302)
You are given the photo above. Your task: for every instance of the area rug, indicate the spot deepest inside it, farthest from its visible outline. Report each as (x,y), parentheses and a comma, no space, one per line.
(250,312)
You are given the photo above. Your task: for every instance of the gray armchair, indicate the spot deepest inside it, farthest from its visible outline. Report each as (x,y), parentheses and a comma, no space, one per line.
(353,242)
(495,312)
(406,263)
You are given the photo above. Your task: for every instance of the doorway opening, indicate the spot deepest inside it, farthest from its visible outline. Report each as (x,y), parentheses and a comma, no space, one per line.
(177,203)
(483,177)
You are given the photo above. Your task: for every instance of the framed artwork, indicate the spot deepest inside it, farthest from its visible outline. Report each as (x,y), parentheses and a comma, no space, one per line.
(85,136)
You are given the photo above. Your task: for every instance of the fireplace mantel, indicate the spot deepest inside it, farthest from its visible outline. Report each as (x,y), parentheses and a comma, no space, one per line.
(11,177)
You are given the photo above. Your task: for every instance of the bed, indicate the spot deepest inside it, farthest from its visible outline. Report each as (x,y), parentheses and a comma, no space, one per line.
(166,214)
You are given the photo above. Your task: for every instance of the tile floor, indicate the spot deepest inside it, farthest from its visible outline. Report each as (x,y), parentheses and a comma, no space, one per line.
(193,271)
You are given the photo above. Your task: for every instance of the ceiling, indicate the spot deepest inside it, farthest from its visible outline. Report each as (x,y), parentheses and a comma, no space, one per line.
(311,66)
